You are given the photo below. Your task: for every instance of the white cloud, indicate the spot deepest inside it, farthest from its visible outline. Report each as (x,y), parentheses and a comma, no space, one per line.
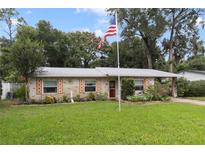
(98,33)
(29,12)
(97,11)
(14,21)
(198,21)
(81,29)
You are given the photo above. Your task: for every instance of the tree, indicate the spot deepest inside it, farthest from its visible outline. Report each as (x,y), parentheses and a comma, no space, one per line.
(7,72)
(181,32)
(196,63)
(0,89)
(56,44)
(147,24)
(74,49)
(131,54)
(26,56)
(12,20)
(27,32)
(83,49)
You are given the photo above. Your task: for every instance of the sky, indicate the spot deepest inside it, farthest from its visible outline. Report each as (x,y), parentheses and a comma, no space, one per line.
(79,19)
(91,20)
(66,19)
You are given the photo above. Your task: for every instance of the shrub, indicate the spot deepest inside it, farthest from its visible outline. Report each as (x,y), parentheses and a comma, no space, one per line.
(137,98)
(159,92)
(77,98)
(101,96)
(196,88)
(65,98)
(50,100)
(183,87)
(128,88)
(91,96)
(20,93)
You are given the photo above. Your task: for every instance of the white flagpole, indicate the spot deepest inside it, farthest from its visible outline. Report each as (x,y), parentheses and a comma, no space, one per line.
(118,64)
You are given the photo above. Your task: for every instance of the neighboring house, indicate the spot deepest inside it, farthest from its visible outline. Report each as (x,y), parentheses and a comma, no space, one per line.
(8,89)
(61,82)
(193,75)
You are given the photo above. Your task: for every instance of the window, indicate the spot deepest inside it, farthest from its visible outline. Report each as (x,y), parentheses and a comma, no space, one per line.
(139,84)
(90,85)
(50,86)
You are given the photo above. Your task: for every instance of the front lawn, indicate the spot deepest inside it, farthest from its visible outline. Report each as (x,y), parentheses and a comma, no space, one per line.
(101,123)
(197,98)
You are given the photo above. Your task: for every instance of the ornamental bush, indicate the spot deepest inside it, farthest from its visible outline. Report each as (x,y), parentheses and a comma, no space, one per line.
(101,96)
(50,100)
(158,92)
(20,93)
(128,88)
(91,96)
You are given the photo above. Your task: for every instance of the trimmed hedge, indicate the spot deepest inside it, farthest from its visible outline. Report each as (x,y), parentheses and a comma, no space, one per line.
(197,88)
(187,88)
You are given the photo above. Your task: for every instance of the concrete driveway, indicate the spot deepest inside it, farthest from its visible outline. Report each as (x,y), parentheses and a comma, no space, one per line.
(190,101)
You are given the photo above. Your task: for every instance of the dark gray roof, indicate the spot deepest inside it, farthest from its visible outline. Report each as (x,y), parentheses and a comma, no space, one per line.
(100,72)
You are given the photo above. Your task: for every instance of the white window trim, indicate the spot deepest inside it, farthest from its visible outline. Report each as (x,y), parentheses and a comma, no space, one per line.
(49,80)
(90,80)
(139,84)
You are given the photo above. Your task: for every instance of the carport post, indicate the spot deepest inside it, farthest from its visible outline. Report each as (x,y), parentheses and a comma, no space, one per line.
(174,87)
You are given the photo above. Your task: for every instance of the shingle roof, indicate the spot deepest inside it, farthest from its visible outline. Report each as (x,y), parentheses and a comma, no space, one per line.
(100,72)
(135,72)
(68,72)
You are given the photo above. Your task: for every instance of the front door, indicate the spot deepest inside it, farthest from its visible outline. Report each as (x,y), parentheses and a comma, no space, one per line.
(112,89)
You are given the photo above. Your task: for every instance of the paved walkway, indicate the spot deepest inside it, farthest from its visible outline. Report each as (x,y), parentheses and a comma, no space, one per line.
(185,100)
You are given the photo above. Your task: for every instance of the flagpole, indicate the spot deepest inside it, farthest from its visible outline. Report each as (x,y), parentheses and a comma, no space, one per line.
(118,64)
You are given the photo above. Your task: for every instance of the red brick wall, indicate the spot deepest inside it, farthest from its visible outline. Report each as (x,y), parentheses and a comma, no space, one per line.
(60,86)
(38,87)
(147,83)
(81,86)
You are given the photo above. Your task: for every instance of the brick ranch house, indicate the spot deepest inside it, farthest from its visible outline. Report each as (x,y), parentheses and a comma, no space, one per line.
(61,82)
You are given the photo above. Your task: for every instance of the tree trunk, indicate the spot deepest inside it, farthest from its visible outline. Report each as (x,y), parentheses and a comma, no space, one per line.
(149,60)
(26,90)
(171,60)
(9,24)
(171,46)
(147,51)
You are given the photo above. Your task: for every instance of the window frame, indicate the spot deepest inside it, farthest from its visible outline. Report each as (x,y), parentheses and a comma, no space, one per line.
(50,86)
(90,86)
(139,84)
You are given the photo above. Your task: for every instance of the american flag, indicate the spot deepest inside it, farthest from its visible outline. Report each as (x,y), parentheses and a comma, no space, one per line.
(110,32)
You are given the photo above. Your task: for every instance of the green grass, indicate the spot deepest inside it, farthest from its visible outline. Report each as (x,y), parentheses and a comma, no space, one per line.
(197,98)
(101,123)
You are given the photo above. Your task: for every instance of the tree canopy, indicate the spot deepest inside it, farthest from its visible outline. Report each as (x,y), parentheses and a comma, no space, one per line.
(26,57)
(164,39)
